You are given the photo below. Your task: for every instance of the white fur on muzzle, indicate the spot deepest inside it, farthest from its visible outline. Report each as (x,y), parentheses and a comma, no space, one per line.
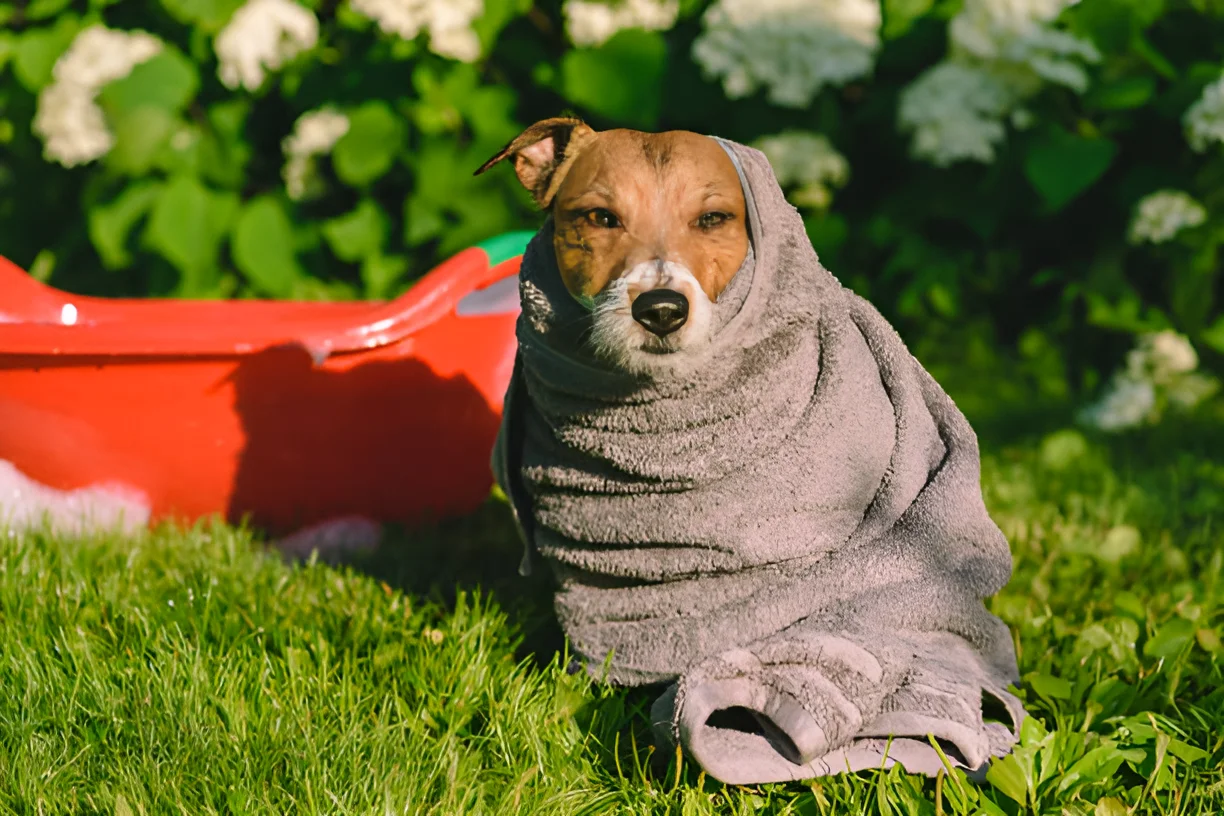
(621,340)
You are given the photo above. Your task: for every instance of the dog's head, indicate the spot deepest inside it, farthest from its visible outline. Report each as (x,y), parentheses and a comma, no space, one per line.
(649,230)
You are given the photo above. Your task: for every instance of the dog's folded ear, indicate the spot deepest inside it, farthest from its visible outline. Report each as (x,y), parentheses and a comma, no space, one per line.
(542,154)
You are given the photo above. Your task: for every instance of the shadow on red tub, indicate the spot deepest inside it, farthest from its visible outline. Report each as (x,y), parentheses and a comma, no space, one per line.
(295,415)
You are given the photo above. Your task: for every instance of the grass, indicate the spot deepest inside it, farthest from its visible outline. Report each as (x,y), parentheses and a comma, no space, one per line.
(187,671)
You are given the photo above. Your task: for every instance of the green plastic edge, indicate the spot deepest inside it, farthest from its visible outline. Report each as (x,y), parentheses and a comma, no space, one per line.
(505,246)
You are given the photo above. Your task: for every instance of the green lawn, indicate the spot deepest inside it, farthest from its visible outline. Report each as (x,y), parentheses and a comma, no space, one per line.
(189,672)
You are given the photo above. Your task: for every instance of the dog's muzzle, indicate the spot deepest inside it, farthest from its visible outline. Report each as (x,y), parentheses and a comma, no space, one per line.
(661,311)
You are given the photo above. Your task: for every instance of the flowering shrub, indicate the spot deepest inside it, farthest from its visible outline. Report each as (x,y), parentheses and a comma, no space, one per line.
(1034,175)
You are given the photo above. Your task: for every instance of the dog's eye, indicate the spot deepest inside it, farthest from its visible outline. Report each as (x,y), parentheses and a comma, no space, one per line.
(710,220)
(603,218)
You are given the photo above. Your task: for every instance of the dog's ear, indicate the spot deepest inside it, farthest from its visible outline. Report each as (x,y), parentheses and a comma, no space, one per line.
(542,154)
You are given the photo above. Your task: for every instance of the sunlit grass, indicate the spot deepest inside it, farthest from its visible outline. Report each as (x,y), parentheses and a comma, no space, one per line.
(190,672)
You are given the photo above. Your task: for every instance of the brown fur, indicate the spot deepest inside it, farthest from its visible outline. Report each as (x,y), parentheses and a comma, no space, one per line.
(657,185)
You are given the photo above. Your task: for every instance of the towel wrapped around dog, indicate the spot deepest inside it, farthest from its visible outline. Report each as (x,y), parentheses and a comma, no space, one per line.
(790,531)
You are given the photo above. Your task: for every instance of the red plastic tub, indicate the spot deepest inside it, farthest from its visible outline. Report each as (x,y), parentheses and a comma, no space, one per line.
(286,413)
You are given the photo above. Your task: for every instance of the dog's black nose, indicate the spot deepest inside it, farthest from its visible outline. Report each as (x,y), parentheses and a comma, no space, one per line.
(661,311)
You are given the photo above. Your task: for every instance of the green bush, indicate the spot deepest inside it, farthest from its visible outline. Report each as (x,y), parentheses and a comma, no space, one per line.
(1030,176)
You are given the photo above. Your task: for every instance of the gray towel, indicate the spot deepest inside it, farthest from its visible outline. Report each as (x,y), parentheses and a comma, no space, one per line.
(792,533)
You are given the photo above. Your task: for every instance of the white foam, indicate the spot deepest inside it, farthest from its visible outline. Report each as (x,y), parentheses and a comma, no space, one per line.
(26,504)
(332,538)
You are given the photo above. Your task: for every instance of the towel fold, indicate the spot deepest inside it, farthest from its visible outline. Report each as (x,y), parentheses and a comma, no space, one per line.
(792,533)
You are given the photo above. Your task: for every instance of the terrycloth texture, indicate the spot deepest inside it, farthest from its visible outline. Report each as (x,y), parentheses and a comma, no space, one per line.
(792,533)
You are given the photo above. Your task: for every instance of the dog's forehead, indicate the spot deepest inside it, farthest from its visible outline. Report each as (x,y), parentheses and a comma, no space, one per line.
(627,158)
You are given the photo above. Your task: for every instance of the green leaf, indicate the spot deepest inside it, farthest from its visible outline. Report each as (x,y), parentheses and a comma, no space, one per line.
(1121,540)
(8,44)
(1186,752)
(185,151)
(943,299)
(447,201)
(988,808)
(38,49)
(621,80)
(139,136)
(358,234)
(491,116)
(1162,752)
(1129,604)
(441,97)
(1158,61)
(828,232)
(167,80)
(1146,12)
(1122,94)
(1062,449)
(1047,685)
(186,226)
(224,152)
(370,146)
(380,272)
(1097,765)
(262,247)
(110,224)
(45,9)
(1214,335)
(208,15)
(1193,290)
(900,15)
(422,220)
(478,217)
(1062,165)
(1170,639)
(1126,313)
(1009,779)
(493,19)
(1114,636)
(1112,696)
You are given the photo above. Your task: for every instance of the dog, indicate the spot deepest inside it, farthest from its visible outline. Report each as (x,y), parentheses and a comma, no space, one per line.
(783,513)
(649,230)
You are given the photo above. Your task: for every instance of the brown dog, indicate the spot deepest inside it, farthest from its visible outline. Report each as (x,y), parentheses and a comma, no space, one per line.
(649,229)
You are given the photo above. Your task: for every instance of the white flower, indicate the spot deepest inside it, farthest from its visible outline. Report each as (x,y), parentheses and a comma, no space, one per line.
(991,22)
(1022,119)
(71,125)
(791,47)
(315,133)
(591,22)
(68,119)
(1052,55)
(1018,32)
(1191,389)
(1204,120)
(263,36)
(449,23)
(1004,51)
(955,111)
(808,162)
(456,43)
(1161,357)
(1161,215)
(1129,403)
(1159,371)
(100,55)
